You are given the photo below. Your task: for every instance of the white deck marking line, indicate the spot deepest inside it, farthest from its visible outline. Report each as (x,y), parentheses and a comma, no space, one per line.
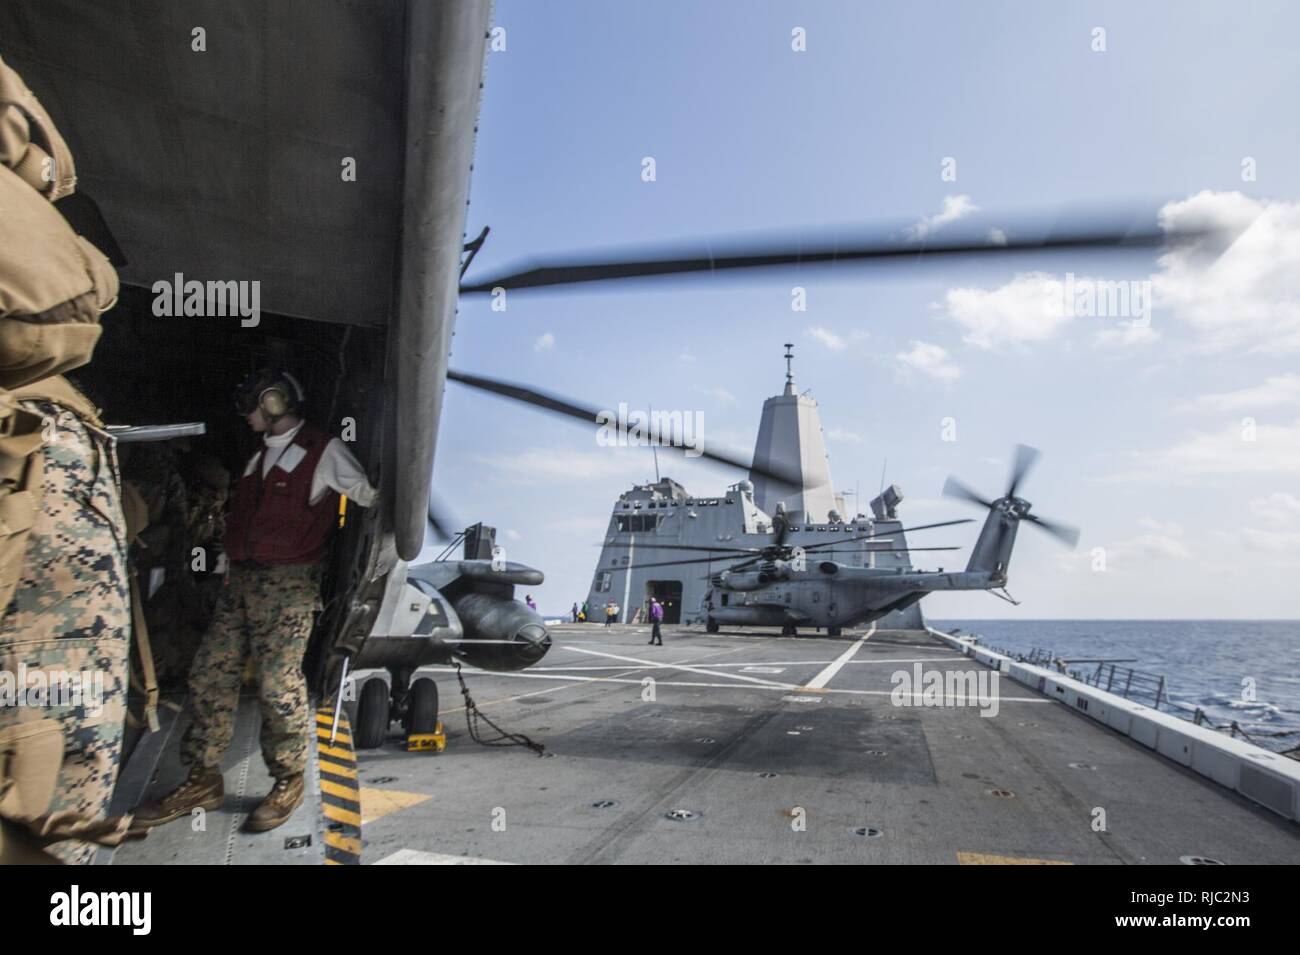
(821,679)
(419,857)
(715,686)
(688,669)
(774,663)
(581,680)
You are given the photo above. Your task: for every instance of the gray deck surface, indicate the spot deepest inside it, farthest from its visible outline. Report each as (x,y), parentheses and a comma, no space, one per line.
(847,757)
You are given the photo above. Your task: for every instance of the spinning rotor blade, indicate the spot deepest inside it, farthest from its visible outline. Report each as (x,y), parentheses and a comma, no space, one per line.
(788,250)
(700,550)
(570,409)
(440,518)
(1062,532)
(954,488)
(1015,508)
(674,563)
(888,550)
(1025,458)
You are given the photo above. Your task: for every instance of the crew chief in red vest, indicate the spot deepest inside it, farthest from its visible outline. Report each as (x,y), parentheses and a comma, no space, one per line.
(277,534)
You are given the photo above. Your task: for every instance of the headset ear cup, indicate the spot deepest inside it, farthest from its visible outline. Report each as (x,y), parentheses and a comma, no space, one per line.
(273,402)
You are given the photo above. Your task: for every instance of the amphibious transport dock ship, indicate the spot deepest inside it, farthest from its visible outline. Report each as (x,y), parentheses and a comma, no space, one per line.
(665,513)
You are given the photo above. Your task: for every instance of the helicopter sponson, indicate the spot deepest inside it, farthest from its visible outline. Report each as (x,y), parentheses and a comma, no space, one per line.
(458,610)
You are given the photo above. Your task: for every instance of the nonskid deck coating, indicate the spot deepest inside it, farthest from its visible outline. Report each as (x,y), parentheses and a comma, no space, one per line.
(730,757)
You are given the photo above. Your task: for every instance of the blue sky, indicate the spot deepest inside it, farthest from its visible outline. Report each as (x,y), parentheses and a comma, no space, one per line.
(1144,445)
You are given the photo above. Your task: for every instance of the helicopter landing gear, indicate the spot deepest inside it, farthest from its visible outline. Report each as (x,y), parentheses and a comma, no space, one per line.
(372,720)
(711,625)
(414,705)
(789,630)
(423,730)
(834,632)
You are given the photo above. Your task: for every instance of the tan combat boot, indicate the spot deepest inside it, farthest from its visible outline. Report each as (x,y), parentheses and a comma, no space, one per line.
(205,789)
(285,796)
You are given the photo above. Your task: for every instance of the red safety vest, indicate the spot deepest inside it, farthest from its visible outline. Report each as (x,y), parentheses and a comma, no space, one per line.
(272,519)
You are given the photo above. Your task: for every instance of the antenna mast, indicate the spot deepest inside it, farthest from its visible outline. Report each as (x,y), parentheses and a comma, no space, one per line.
(654,444)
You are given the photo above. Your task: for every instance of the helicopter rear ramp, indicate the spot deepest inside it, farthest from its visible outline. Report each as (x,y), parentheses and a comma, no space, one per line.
(325,829)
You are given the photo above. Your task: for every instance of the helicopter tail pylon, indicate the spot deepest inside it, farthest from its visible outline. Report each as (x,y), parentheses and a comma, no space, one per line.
(992,552)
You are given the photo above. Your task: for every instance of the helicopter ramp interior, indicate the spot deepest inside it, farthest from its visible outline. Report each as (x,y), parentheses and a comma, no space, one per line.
(323,830)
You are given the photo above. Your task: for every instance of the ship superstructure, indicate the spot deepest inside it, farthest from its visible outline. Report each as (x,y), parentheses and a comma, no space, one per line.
(666,513)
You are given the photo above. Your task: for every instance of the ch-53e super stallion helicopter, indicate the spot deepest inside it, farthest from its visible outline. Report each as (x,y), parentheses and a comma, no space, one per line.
(789,586)
(320,150)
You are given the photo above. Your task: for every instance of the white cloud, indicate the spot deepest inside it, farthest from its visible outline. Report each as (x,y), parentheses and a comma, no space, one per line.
(1278,508)
(1249,295)
(828,338)
(839,434)
(1164,542)
(1127,335)
(997,237)
(1029,308)
(718,394)
(1147,547)
(1167,528)
(544,343)
(954,208)
(928,359)
(1271,542)
(1275,391)
(1275,449)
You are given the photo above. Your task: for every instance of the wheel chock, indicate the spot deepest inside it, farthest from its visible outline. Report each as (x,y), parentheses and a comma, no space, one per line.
(434,742)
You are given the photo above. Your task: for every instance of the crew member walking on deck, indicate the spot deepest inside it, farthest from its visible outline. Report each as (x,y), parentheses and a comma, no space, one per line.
(611,612)
(656,618)
(285,508)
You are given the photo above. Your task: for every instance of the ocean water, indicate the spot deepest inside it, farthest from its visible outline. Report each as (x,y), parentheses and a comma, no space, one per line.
(1204,662)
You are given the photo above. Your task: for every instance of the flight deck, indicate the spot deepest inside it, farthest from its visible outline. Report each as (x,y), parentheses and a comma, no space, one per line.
(747,748)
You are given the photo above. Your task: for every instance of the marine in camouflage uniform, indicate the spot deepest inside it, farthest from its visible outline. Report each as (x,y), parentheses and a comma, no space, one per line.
(265,614)
(64,591)
(71,613)
(278,531)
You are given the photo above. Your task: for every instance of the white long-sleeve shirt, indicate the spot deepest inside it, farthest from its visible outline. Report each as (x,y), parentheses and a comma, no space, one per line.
(338,470)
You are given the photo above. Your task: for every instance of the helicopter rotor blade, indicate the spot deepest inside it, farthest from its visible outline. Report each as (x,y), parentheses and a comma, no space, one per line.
(954,488)
(441,520)
(1025,458)
(700,550)
(589,415)
(675,563)
(1062,532)
(787,250)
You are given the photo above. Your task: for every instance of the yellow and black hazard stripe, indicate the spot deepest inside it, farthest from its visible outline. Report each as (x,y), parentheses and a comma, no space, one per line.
(340,797)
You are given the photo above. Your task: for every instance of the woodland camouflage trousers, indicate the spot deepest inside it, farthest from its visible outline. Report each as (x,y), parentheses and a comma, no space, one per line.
(264,612)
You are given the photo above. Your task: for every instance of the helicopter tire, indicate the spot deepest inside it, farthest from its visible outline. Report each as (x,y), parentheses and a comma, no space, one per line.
(422,710)
(834,632)
(789,630)
(711,625)
(372,715)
